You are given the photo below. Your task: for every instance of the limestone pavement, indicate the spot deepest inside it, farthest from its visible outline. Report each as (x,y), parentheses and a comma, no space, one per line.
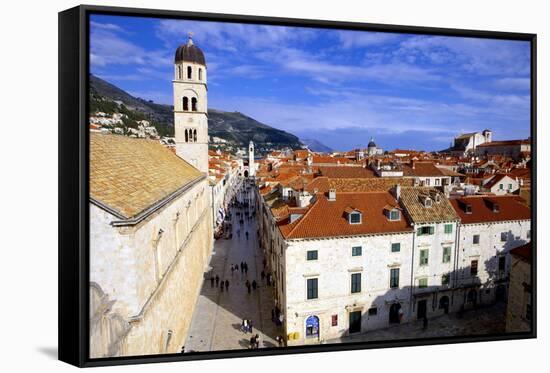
(218,315)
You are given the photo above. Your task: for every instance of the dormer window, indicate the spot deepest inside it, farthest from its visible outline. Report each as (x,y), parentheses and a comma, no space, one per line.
(437,198)
(468,208)
(496,207)
(353,215)
(355,218)
(426,202)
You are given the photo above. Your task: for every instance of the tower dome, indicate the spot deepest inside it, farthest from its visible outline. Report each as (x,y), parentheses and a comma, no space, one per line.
(189,52)
(371,143)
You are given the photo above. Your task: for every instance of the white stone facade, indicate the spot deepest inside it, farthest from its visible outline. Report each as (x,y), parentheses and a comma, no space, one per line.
(191,122)
(152,271)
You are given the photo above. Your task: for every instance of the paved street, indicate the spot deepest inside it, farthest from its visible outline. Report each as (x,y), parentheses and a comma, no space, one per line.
(489,320)
(218,315)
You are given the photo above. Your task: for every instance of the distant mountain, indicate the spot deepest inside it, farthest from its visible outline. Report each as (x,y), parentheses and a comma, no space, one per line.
(234,127)
(240,129)
(157,112)
(316,146)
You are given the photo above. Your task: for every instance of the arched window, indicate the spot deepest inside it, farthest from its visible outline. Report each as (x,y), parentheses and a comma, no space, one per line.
(189,72)
(186,136)
(194,104)
(195,135)
(178,72)
(200,74)
(185,104)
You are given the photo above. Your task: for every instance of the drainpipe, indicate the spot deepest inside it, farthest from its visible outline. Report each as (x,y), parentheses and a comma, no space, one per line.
(412,275)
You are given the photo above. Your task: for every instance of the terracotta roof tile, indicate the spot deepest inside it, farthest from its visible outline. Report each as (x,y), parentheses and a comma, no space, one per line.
(510,208)
(327,218)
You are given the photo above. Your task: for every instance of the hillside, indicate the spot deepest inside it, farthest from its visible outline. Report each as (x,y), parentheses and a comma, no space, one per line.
(316,146)
(235,128)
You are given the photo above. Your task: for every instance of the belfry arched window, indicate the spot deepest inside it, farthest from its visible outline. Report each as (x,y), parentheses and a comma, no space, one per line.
(185,104)
(189,72)
(200,74)
(194,104)
(186,136)
(178,76)
(194,135)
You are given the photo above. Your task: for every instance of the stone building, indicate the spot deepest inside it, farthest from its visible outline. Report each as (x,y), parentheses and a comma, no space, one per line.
(151,226)
(345,277)
(467,143)
(515,149)
(491,226)
(519,308)
(435,237)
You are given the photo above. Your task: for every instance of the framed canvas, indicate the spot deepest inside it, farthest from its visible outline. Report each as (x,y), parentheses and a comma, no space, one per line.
(235,186)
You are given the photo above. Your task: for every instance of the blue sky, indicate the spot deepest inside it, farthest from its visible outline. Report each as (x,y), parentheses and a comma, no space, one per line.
(339,87)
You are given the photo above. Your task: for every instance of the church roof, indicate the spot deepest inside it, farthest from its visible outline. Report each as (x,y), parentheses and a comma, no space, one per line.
(128,176)
(189,52)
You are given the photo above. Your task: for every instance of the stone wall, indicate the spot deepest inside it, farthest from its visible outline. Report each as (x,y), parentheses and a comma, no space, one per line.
(152,272)
(517,318)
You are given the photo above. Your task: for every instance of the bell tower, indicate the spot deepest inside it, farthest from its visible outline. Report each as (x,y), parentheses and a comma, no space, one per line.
(251,165)
(190,105)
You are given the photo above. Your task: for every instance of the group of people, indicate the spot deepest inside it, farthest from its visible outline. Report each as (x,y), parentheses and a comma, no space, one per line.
(222,284)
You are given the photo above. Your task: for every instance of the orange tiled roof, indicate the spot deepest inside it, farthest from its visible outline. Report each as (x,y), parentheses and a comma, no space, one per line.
(327,218)
(346,172)
(510,208)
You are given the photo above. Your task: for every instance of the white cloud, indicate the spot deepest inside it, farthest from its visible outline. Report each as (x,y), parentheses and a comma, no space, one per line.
(361,39)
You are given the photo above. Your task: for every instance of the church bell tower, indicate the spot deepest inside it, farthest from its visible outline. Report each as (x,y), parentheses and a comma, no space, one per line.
(190,105)
(251,165)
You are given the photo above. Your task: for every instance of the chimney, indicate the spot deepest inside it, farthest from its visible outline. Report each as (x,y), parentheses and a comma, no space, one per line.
(413,163)
(332,194)
(397,192)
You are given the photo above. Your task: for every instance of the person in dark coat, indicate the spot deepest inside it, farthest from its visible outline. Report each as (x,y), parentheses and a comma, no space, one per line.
(227,285)
(211,282)
(248,286)
(242,267)
(262,275)
(217,280)
(254,284)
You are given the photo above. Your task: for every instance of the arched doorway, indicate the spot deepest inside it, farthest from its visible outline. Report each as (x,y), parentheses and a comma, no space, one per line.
(444,303)
(312,327)
(395,313)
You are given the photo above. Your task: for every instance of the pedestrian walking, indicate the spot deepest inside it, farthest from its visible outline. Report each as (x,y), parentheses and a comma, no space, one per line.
(248,286)
(242,267)
(211,281)
(232,269)
(221,286)
(254,284)
(280,340)
(245,267)
(252,342)
(250,327)
(217,280)
(257,340)
(262,275)
(244,326)
(227,285)
(247,235)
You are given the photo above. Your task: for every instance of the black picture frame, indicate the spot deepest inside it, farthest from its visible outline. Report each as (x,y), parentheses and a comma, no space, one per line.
(74,189)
